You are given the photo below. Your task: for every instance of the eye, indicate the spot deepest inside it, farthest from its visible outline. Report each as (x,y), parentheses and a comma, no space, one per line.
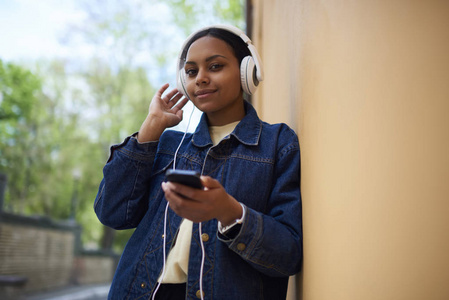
(216,67)
(191,72)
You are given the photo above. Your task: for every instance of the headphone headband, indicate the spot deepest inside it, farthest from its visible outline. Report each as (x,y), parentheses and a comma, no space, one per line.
(236,31)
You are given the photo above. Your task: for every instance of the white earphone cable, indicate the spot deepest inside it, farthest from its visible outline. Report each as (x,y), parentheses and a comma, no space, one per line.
(203,255)
(163,252)
(182,140)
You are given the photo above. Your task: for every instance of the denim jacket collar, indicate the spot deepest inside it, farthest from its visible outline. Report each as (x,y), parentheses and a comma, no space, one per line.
(247,131)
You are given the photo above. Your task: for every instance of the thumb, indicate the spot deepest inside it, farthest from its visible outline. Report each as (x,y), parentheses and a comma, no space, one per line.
(209,182)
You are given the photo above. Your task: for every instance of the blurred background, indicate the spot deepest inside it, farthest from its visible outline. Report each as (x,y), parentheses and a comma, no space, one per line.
(75,78)
(363,83)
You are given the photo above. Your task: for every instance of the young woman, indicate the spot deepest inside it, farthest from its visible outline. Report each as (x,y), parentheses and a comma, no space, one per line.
(239,237)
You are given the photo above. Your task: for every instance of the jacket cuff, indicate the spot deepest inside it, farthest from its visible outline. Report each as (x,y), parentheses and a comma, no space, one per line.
(248,235)
(132,146)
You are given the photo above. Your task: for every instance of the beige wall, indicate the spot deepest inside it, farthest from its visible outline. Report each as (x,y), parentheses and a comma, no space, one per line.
(366,85)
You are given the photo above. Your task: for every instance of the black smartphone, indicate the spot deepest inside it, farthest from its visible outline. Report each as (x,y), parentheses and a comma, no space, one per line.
(186,177)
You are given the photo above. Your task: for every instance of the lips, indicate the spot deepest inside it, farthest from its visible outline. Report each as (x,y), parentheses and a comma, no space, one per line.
(204,92)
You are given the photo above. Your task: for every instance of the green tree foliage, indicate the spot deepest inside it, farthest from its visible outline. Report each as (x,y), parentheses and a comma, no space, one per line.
(189,14)
(58,150)
(100,106)
(37,145)
(121,100)
(19,90)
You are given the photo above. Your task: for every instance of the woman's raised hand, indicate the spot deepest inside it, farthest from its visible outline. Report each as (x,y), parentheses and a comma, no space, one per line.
(165,111)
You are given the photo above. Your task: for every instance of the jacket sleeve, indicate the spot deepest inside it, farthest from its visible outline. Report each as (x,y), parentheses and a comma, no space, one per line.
(122,198)
(272,242)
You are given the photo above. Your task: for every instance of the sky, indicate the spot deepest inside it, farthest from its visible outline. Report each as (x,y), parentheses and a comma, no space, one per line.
(30,29)
(34,29)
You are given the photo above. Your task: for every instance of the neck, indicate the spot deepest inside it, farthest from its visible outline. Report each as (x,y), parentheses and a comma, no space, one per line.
(226,117)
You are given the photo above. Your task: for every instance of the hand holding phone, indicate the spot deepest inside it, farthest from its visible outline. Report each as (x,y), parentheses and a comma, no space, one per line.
(185,177)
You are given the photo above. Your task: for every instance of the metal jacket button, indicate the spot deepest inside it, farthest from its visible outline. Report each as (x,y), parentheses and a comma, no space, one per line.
(205,237)
(198,294)
(241,246)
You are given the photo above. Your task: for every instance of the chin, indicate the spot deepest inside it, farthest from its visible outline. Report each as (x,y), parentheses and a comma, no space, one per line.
(204,108)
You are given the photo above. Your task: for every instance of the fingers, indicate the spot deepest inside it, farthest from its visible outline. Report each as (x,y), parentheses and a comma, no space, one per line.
(172,98)
(180,106)
(179,189)
(178,198)
(162,90)
(173,92)
(202,205)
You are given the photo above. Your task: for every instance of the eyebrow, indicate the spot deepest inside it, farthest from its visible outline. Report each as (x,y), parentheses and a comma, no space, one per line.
(207,59)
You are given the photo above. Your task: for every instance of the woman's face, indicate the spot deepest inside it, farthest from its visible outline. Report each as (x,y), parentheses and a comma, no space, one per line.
(212,75)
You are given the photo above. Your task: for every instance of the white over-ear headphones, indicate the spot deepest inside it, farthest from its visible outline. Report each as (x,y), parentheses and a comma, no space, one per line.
(251,72)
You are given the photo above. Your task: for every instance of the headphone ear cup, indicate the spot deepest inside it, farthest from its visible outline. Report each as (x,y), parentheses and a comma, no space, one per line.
(181,84)
(248,75)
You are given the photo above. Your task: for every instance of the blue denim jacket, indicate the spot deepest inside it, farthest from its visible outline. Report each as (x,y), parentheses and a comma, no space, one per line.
(258,164)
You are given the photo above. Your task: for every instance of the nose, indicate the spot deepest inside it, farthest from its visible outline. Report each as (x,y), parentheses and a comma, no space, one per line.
(202,77)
